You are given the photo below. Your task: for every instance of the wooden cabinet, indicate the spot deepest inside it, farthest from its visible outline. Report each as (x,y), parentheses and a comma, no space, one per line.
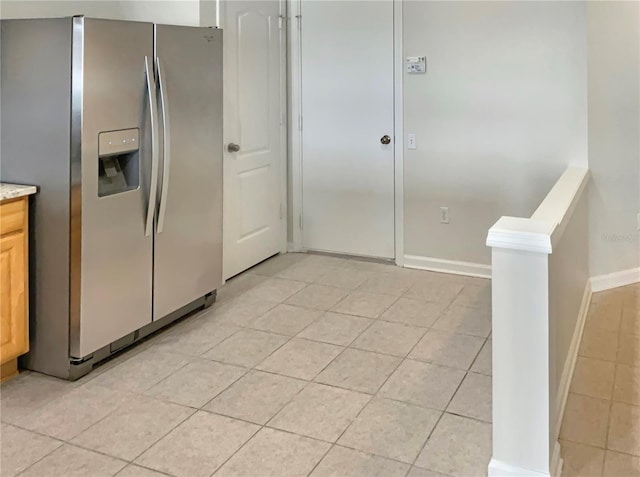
(14,321)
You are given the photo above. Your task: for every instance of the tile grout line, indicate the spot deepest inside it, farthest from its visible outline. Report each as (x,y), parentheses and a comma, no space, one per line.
(194,410)
(600,447)
(78,446)
(615,373)
(331,446)
(254,368)
(486,340)
(335,387)
(349,346)
(611,400)
(424,445)
(371,397)
(266,426)
(144,392)
(62,443)
(144,467)
(237,450)
(375,395)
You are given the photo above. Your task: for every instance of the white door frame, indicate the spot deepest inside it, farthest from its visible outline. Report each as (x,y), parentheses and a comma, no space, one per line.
(295,126)
(295,122)
(398,129)
(282,10)
(284,143)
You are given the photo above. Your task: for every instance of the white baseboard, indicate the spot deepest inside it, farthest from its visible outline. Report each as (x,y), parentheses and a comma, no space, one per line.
(447,266)
(498,468)
(572,358)
(615,280)
(556,461)
(294,248)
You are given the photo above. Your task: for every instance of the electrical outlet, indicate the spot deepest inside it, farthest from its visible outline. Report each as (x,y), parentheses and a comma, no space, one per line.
(444,215)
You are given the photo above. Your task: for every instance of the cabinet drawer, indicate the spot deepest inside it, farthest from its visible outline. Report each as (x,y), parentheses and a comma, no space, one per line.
(12,216)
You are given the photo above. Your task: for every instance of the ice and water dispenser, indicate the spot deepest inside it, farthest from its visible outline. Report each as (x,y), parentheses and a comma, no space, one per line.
(118,161)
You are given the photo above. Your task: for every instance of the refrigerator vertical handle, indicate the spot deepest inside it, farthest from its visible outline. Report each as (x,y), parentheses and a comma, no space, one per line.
(164,101)
(153,112)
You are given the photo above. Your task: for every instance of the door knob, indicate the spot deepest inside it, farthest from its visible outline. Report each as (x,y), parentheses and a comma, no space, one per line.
(233,147)
(385,139)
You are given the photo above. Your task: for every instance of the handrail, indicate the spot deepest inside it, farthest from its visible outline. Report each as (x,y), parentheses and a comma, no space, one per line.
(545,227)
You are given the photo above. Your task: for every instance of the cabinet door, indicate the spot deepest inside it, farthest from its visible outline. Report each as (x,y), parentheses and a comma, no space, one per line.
(14,335)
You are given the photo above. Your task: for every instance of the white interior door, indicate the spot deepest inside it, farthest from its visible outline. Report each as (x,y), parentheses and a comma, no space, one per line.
(347,108)
(254,175)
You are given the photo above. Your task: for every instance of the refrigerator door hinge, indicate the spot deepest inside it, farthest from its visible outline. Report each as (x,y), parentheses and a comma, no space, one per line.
(300,221)
(280,22)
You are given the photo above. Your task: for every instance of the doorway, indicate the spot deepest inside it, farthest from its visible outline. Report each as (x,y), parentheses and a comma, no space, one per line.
(347,127)
(254,132)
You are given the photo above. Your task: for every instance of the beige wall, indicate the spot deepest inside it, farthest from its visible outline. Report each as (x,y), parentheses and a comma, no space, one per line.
(568,276)
(500,113)
(614,134)
(179,12)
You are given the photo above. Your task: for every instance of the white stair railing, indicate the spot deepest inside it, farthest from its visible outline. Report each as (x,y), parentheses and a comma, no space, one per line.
(540,287)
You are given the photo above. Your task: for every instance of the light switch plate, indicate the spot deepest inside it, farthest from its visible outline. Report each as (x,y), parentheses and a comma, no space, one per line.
(411,141)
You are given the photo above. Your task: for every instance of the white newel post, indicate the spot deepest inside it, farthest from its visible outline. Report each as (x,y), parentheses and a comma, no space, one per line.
(524,435)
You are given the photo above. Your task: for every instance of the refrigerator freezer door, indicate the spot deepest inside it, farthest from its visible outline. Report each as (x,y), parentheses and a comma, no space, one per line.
(111,258)
(188,241)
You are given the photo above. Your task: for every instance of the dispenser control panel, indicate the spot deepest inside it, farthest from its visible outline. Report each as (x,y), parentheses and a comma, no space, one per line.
(118,142)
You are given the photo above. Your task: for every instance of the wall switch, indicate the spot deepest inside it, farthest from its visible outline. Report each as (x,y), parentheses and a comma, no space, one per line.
(638,221)
(411,141)
(444,215)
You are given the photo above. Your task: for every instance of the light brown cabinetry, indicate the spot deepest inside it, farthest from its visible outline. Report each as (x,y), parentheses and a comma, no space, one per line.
(14,315)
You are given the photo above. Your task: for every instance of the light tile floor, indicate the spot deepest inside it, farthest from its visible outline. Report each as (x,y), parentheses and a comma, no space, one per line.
(600,435)
(306,365)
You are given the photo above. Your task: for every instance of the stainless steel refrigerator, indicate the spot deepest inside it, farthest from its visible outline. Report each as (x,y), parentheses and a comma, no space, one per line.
(120,125)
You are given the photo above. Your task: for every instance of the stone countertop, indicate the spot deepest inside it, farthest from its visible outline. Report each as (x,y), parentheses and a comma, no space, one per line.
(12,191)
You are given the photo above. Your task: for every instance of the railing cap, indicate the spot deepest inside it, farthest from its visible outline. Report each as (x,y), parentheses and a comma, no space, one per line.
(517,233)
(546,225)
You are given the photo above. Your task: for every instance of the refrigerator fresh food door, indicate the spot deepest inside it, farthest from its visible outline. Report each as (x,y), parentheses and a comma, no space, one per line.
(111,252)
(188,240)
